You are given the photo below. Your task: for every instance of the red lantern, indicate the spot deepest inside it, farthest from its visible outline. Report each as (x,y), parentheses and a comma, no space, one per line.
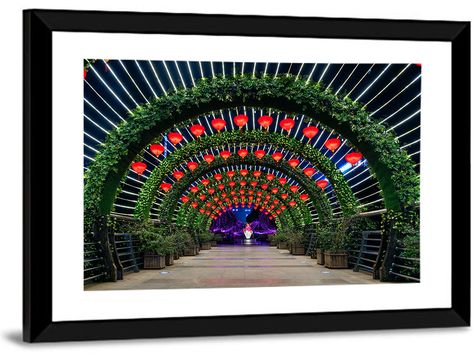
(332,144)
(197,130)
(243,153)
(274,190)
(265,121)
(218,124)
(294,188)
(309,171)
(202,197)
(292,203)
(250,192)
(268,197)
(287,124)
(205,182)
(256,173)
(264,186)
(282,180)
(139,167)
(224,195)
(243,172)
(192,165)
(221,186)
(304,197)
(209,158)
(269,176)
(242,183)
(218,176)
(259,193)
(195,204)
(231,184)
(202,210)
(322,183)
(276,202)
(231,174)
(254,183)
(211,191)
(284,195)
(178,175)
(277,156)
(240,120)
(184,199)
(156,149)
(278,211)
(293,163)
(175,138)
(194,189)
(260,153)
(353,157)
(165,186)
(225,154)
(310,131)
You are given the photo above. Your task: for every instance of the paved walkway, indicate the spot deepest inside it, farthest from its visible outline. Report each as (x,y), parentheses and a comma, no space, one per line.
(237,266)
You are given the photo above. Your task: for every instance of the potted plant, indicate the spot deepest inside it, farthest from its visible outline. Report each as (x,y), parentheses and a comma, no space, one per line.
(324,233)
(336,254)
(296,242)
(190,246)
(205,239)
(154,246)
(281,238)
(272,240)
(215,239)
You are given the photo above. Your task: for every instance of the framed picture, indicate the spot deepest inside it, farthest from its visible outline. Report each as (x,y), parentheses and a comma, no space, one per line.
(191,175)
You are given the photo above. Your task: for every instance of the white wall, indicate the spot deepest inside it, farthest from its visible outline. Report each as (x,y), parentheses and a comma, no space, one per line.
(432,341)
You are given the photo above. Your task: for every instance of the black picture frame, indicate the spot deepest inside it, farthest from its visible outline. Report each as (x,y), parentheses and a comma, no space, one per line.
(39,26)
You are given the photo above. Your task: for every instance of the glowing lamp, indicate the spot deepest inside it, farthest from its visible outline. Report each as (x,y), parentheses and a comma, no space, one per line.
(197,130)
(277,156)
(269,176)
(287,124)
(205,182)
(353,157)
(292,203)
(175,138)
(209,158)
(242,183)
(332,144)
(309,171)
(284,196)
(260,153)
(139,167)
(218,124)
(256,173)
(221,186)
(156,149)
(192,165)
(225,154)
(322,183)
(304,197)
(243,172)
(218,176)
(293,163)
(282,180)
(240,120)
(242,153)
(231,184)
(211,191)
(230,174)
(310,131)
(254,183)
(274,190)
(178,175)
(165,186)
(265,121)
(194,189)
(195,204)
(264,186)
(294,188)
(184,199)
(202,197)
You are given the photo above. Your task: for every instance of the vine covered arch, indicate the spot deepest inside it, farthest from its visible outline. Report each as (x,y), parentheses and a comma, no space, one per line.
(392,166)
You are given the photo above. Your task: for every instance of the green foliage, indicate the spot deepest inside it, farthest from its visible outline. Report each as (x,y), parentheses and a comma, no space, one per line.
(205,236)
(281,236)
(156,240)
(325,233)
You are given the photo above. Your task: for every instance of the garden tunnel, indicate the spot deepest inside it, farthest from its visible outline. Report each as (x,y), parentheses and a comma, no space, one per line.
(310,147)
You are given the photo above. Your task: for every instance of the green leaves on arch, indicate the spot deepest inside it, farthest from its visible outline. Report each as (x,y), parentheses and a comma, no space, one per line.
(342,191)
(392,166)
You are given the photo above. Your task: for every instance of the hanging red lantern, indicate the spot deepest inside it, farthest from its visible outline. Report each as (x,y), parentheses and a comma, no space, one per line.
(322,183)
(240,120)
(294,188)
(332,144)
(165,186)
(264,186)
(250,192)
(194,189)
(156,149)
(175,138)
(278,211)
(287,124)
(265,121)
(292,203)
(242,183)
(242,153)
(205,182)
(310,131)
(184,199)
(231,184)
(202,197)
(254,183)
(224,195)
(225,154)
(178,175)
(192,165)
(283,207)
(259,193)
(197,130)
(256,173)
(211,191)
(293,163)
(274,190)
(218,124)
(221,186)
(209,158)
(271,218)
(282,180)
(277,156)
(218,176)
(260,153)
(304,197)
(139,167)
(195,204)
(269,176)
(202,210)
(268,197)
(243,172)
(284,195)
(353,157)
(276,202)
(309,171)
(242,191)
(231,174)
